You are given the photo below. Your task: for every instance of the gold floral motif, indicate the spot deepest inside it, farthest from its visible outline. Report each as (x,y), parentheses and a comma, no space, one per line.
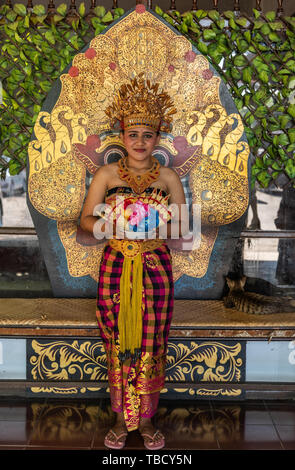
(59,360)
(228,392)
(60,390)
(208,361)
(66,390)
(192,392)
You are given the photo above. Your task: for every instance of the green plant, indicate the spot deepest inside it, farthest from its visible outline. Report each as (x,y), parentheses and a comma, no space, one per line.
(35,50)
(255,58)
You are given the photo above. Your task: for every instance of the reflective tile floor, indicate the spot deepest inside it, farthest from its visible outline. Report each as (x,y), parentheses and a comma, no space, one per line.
(57,424)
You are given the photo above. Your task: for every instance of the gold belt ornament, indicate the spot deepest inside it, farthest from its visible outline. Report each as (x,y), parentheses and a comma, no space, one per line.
(131,248)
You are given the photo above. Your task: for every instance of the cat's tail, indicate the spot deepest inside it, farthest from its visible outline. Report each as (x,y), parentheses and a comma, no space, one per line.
(287,304)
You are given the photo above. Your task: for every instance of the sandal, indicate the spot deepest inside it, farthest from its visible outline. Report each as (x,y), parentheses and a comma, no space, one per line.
(118,443)
(153,442)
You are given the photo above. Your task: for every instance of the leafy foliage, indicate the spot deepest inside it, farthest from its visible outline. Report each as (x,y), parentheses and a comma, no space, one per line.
(36,48)
(254,56)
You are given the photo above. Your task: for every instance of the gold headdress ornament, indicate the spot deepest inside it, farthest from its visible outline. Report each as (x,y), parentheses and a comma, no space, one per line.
(139,103)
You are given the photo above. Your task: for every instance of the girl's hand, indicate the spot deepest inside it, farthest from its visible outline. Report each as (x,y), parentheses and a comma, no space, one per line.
(119,227)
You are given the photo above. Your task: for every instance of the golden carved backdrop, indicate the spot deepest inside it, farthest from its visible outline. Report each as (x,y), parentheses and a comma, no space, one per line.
(206,147)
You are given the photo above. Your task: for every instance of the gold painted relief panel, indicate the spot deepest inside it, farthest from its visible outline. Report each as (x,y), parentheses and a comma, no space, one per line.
(206,146)
(188,362)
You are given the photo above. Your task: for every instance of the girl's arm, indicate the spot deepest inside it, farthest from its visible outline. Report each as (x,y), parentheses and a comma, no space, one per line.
(95,196)
(180,216)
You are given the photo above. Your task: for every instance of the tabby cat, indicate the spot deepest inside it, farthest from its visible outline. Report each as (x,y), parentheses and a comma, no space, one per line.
(251,302)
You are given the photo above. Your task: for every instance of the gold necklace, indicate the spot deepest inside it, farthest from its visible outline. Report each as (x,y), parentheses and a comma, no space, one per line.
(139,183)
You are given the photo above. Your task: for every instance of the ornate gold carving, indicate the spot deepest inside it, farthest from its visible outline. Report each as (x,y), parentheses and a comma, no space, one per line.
(216,154)
(209,361)
(221,171)
(192,392)
(61,390)
(80,258)
(228,392)
(64,390)
(57,181)
(195,262)
(59,360)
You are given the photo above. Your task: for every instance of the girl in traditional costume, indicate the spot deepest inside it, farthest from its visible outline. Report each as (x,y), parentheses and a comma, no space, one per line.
(135,286)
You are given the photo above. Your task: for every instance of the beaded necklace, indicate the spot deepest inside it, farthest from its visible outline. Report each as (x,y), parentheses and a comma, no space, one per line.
(139,183)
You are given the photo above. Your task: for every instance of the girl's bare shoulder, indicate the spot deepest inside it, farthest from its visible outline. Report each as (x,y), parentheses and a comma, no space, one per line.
(106,171)
(168,173)
(102,177)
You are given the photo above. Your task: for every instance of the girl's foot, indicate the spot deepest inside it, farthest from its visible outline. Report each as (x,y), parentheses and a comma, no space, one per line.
(153,439)
(114,440)
(116,437)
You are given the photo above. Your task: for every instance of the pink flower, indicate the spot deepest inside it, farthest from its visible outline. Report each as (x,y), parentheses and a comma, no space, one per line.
(140,9)
(112,65)
(74,71)
(190,56)
(207,74)
(90,53)
(171,68)
(139,211)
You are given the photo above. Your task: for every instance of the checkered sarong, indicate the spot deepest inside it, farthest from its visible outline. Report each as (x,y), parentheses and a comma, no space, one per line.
(135,387)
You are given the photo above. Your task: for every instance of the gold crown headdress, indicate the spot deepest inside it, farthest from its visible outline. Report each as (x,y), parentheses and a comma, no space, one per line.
(139,103)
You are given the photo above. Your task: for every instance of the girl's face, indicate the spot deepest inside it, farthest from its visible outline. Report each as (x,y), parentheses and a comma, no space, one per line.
(140,142)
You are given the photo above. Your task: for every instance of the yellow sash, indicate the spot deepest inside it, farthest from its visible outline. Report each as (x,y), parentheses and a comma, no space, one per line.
(130,313)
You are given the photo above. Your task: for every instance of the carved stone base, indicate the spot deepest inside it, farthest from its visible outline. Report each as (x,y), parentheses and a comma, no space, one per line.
(52,348)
